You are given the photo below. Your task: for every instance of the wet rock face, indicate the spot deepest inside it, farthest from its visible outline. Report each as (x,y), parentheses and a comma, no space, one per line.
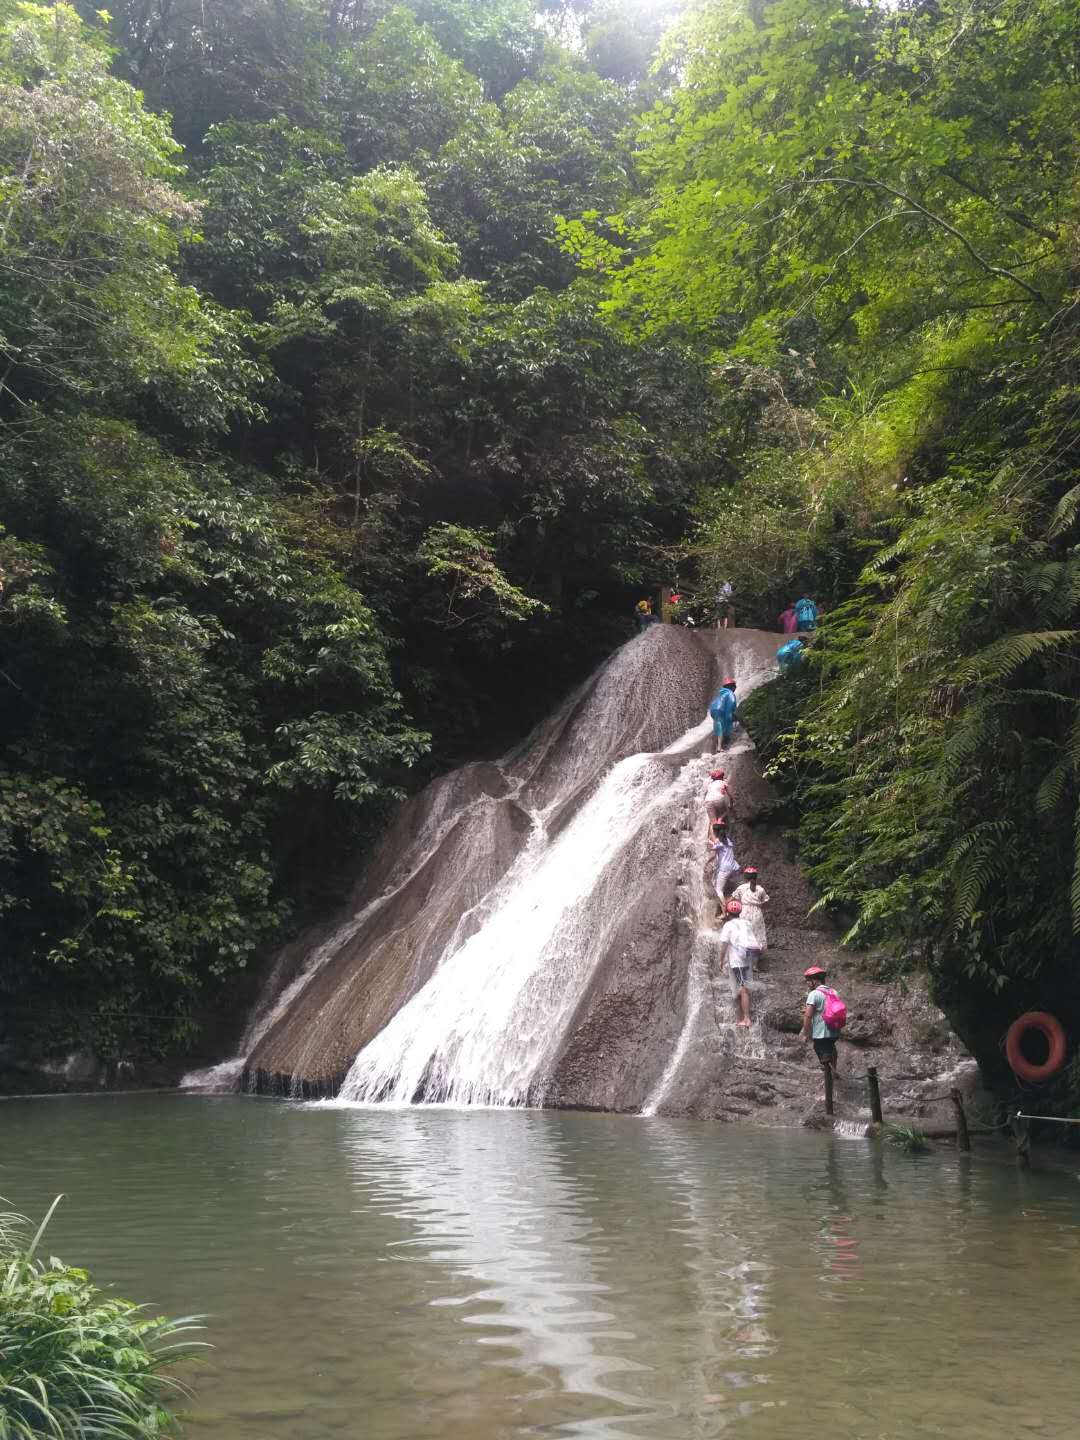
(437,877)
(444,853)
(542,930)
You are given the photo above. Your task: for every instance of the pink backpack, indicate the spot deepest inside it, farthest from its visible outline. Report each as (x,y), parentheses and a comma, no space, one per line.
(834,1011)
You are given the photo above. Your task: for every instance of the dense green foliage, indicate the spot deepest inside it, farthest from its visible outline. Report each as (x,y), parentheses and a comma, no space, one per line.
(869,215)
(358,362)
(316,457)
(75,1361)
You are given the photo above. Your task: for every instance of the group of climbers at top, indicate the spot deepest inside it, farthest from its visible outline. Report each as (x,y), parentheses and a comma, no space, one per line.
(799,618)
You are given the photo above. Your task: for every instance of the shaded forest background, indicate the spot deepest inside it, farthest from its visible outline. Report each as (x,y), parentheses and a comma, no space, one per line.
(361,363)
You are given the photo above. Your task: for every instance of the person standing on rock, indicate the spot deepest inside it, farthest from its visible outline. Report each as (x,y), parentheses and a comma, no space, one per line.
(753,899)
(786,620)
(813,1024)
(740,963)
(722,710)
(724,850)
(725,605)
(719,804)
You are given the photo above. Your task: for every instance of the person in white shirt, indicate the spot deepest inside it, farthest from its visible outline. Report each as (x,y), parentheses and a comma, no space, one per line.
(753,899)
(722,847)
(738,954)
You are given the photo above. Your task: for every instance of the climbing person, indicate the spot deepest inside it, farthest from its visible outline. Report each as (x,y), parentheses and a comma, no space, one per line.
(753,899)
(644,615)
(786,620)
(739,956)
(806,613)
(725,605)
(723,849)
(719,802)
(822,1002)
(789,656)
(722,710)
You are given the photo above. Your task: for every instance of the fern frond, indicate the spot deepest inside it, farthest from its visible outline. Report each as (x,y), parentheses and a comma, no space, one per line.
(1048,796)
(1065,512)
(983,865)
(986,830)
(1008,654)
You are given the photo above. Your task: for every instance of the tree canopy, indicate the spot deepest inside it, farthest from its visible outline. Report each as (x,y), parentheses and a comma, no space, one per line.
(357,362)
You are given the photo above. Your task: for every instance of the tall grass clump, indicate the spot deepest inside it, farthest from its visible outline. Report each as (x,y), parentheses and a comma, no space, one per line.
(76,1363)
(908,1138)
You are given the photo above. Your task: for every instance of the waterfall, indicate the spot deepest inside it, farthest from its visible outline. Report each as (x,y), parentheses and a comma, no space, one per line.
(519,936)
(481,1029)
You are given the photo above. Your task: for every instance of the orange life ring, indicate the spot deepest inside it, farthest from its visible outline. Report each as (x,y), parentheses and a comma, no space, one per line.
(1045,1024)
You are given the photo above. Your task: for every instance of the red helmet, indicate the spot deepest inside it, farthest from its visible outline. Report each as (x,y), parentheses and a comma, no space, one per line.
(749,869)
(812,970)
(730,681)
(716,774)
(733,907)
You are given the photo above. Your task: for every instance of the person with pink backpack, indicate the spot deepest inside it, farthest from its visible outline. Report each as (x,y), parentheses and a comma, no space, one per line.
(824,1016)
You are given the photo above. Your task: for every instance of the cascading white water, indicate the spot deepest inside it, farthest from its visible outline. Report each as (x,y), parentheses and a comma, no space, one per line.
(521,932)
(273,1003)
(489,1023)
(484,1027)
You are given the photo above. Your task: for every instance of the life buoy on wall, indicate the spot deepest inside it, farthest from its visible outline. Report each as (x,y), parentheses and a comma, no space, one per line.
(1044,1024)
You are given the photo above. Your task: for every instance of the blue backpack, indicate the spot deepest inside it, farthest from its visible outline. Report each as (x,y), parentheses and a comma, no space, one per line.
(805,612)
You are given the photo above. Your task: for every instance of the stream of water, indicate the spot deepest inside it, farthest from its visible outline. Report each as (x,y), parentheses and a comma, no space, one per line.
(497,1275)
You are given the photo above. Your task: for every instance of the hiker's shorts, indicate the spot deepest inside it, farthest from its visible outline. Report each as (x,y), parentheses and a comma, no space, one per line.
(740,975)
(825,1049)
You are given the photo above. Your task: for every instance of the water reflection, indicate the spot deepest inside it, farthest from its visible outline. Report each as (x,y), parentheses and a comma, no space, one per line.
(504,1220)
(494,1276)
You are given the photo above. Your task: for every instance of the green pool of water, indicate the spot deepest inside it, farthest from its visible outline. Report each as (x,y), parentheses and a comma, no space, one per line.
(495,1275)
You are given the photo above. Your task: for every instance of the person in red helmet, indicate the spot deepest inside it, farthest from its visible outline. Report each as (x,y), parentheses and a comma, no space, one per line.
(736,950)
(722,712)
(752,897)
(719,804)
(813,1024)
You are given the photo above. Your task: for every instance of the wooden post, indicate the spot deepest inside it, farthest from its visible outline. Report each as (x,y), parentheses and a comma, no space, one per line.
(828,1089)
(963,1139)
(875,1093)
(1023,1142)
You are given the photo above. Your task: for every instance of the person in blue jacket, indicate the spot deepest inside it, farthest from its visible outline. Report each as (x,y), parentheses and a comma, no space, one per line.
(722,711)
(789,655)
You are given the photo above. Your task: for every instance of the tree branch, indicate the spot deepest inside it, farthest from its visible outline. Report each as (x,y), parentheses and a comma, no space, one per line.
(938,220)
(1017,216)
